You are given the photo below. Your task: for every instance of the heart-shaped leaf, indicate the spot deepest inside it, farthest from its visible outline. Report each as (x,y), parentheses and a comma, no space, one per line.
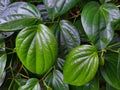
(37,48)
(109,71)
(55,80)
(96,21)
(31,84)
(67,36)
(18,15)
(56,8)
(81,65)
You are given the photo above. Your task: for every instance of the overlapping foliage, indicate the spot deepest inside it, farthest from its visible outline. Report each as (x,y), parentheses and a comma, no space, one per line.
(59,45)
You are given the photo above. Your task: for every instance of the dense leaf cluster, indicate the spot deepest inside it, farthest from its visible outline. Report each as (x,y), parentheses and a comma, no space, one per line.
(59,45)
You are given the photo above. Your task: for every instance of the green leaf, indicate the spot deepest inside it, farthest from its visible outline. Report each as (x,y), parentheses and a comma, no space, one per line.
(109,70)
(37,48)
(31,84)
(43,12)
(3,58)
(60,63)
(105,1)
(19,15)
(55,80)
(108,87)
(2,78)
(67,36)
(92,85)
(56,8)
(81,65)
(5,34)
(118,65)
(3,5)
(96,21)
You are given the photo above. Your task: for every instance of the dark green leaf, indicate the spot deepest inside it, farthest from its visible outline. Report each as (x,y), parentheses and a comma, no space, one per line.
(31,84)
(104,1)
(37,48)
(34,1)
(96,21)
(67,36)
(118,65)
(3,58)
(81,65)
(60,63)
(3,5)
(109,70)
(92,85)
(108,87)
(55,80)
(5,34)
(18,15)
(44,13)
(56,8)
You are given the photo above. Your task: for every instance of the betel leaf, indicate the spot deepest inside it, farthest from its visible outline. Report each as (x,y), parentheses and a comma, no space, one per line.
(67,36)
(56,8)
(55,81)
(3,58)
(92,85)
(37,48)
(2,78)
(19,15)
(3,5)
(5,34)
(60,63)
(31,84)
(108,87)
(109,70)
(96,21)
(81,65)
(44,13)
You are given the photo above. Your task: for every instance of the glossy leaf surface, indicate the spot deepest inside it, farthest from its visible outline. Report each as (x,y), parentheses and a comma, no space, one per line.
(3,58)
(56,8)
(55,80)
(5,34)
(37,48)
(18,15)
(92,85)
(81,65)
(109,71)
(67,36)
(3,5)
(96,21)
(31,84)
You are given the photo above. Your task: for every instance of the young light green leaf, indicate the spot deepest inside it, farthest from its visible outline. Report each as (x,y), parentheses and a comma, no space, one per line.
(37,48)
(19,15)
(55,80)
(109,70)
(67,36)
(31,84)
(81,65)
(96,21)
(56,8)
